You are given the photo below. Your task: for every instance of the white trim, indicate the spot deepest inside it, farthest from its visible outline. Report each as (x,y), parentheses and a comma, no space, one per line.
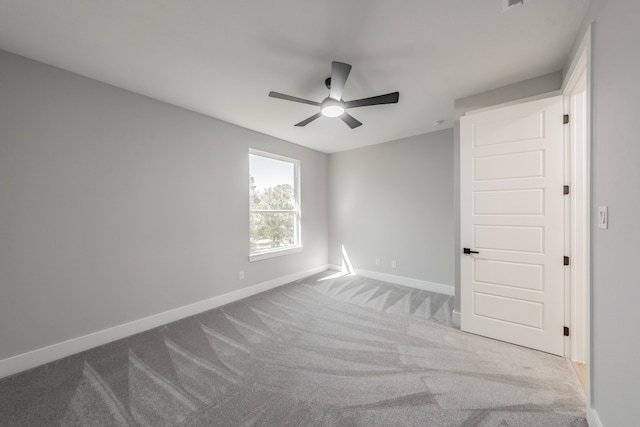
(584,47)
(583,58)
(297,211)
(401,280)
(577,207)
(456,318)
(274,253)
(273,155)
(407,281)
(587,43)
(21,362)
(593,419)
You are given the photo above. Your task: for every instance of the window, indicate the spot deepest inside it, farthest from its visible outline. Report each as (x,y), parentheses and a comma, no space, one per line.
(274,205)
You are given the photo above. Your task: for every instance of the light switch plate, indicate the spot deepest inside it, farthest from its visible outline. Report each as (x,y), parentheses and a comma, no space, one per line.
(603,217)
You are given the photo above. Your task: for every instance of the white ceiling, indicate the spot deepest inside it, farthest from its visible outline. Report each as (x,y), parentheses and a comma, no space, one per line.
(222,57)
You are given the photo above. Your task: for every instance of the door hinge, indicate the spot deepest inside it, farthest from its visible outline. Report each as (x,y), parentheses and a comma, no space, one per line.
(566,260)
(566,331)
(565,119)
(565,190)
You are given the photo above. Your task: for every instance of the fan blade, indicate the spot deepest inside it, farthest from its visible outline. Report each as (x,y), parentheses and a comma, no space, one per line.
(339,73)
(389,98)
(273,94)
(309,120)
(350,121)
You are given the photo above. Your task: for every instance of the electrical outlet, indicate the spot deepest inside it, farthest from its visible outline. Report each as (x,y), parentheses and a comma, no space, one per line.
(393,263)
(377,261)
(241,275)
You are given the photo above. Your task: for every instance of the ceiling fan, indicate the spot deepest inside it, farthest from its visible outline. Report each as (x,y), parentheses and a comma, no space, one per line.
(334,105)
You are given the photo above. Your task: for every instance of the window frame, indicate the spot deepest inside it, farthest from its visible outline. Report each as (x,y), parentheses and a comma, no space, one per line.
(297,211)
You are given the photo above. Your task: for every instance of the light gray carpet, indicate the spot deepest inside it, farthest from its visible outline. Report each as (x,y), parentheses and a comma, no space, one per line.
(346,351)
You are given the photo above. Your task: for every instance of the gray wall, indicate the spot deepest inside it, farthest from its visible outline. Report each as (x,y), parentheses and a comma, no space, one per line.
(395,201)
(615,283)
(114,206)
(514,92)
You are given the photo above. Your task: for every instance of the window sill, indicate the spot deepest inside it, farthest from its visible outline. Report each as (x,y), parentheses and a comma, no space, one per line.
(274,253)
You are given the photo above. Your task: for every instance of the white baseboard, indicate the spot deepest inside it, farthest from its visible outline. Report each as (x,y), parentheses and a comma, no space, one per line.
(592,418)
(455,318)
(31,359)
(407,281)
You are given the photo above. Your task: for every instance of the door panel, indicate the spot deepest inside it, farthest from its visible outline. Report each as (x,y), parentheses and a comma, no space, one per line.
(509,166)
(513,274)
(509,130)
(509,238)
(509,202)
(512,213)
(510,310)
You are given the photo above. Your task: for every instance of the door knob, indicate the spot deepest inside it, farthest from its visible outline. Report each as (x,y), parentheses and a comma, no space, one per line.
(468,251)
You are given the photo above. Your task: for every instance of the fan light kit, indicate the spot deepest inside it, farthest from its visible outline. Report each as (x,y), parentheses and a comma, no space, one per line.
(332,108)
(334,105)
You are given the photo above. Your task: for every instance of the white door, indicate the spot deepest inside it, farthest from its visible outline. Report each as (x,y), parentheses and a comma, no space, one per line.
(512,215)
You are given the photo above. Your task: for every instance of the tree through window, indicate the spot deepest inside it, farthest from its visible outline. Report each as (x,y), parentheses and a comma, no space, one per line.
(274,213)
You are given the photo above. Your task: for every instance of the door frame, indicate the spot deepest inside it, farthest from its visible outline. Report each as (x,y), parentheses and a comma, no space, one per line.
(579,69)
(576,207)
